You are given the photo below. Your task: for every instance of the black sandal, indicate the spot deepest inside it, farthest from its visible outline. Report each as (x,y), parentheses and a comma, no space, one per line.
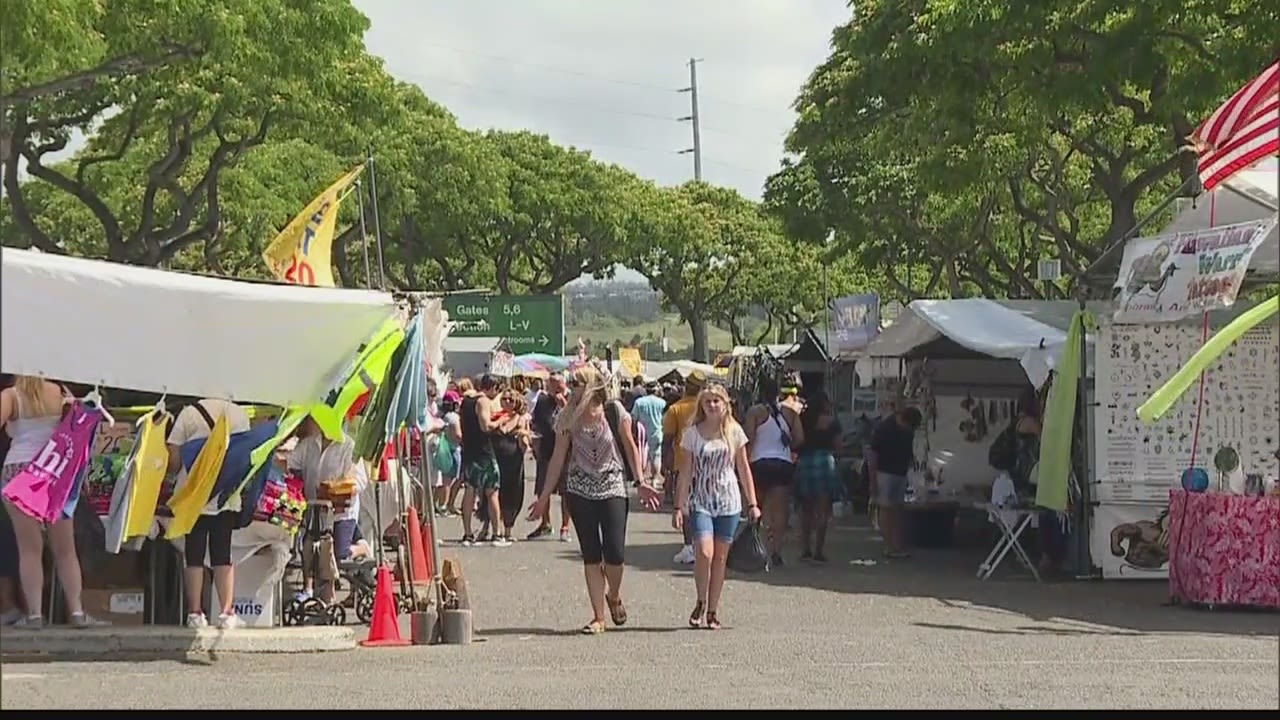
(713,623)
(617,611)
(695,618)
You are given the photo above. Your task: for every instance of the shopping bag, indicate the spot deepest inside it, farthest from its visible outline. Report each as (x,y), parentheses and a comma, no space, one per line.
(748,553)
(442,458)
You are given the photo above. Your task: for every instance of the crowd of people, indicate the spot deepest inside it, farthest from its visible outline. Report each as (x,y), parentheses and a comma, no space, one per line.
(681,445)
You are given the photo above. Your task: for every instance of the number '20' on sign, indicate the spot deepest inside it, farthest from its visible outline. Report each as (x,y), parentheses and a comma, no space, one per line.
(300,272)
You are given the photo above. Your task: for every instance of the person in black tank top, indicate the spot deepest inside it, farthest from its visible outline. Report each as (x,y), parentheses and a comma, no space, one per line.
(479,465)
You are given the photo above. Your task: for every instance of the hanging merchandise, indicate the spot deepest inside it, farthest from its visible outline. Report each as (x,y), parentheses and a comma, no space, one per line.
(236,461)
(370,367)
(281,502)
(409,403)
(148,458)
(47,488)
(371,440)
(190,499)
(147,468)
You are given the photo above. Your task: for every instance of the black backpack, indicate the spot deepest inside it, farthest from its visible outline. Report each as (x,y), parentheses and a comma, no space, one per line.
(614,418)
(1003,453)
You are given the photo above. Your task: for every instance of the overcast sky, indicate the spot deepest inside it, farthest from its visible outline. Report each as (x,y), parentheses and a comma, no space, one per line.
(602,75)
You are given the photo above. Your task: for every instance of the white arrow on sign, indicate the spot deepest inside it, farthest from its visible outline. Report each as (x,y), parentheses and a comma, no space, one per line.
(544,340)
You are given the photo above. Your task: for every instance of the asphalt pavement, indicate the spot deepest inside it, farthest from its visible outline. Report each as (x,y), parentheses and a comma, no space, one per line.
(858,632)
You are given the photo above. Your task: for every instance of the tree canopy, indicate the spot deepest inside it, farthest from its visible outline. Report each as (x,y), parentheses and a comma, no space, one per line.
(992,135)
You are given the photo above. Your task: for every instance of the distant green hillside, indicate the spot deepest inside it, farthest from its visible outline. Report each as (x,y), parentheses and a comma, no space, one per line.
(604,331)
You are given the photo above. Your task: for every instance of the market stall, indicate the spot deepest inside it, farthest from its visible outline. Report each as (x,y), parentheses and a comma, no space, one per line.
(968,365)
(174,334)
(1172,291)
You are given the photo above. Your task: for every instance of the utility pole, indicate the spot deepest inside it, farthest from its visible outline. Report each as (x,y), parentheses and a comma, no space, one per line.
(692,118)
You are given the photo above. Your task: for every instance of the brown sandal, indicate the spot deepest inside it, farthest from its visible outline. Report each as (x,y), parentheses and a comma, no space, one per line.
(617,611)
(595,627)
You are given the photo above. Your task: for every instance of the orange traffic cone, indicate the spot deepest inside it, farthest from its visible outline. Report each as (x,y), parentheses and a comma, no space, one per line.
(384,626)
(417,553)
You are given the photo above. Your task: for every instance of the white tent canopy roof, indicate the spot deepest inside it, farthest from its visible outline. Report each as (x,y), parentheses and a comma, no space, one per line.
(94,322)
(1028,331)
(1249,195)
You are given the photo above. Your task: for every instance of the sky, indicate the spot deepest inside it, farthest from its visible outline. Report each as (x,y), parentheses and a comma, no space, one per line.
(604,75)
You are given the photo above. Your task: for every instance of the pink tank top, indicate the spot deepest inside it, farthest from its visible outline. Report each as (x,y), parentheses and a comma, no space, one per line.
(48,486)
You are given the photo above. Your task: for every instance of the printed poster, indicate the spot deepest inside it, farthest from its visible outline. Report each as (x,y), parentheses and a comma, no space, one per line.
(855,322)
(1170,277)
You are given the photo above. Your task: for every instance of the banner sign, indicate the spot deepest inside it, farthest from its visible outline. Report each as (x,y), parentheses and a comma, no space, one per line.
(631,361)
(502,364)
(855,322)
(1170,277)
(300,254)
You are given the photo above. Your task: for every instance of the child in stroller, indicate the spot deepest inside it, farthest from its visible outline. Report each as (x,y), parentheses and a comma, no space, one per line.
(330,546)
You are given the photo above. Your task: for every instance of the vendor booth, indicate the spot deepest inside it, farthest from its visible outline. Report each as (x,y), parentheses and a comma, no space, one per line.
(469,356)
(969,365)
(1173,291)
(178,336)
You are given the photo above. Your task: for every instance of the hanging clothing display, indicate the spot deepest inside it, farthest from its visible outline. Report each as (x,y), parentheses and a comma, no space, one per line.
(188,501)
(47,489)
(146,468)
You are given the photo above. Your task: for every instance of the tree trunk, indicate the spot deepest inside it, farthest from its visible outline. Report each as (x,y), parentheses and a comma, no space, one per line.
(698,326)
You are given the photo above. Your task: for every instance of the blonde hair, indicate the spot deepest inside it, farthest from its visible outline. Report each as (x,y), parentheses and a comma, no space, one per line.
(30,390)
(465,386)
(519,406)
(727,422)
(589,388)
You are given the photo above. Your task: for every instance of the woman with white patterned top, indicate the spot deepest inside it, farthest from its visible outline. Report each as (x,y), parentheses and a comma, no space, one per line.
(713,467)
(599,463)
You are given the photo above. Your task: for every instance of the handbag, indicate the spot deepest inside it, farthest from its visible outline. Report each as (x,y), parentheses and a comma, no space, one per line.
(748,553)
(613,416)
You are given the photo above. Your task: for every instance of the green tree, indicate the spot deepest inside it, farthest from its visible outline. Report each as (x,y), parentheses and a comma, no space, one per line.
(990,135)
(173,95)
(693,241)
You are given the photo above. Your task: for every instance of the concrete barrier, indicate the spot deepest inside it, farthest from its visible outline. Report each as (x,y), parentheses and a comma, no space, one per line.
(141,642)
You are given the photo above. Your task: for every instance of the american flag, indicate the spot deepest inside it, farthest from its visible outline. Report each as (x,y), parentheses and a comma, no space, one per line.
(1243,131)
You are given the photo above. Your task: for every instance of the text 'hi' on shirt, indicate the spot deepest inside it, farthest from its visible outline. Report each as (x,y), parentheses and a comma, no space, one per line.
(894,446)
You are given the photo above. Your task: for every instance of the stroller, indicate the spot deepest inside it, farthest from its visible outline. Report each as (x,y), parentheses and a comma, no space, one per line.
(315,547)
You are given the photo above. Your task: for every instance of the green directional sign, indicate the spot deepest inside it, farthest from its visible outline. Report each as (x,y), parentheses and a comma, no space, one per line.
(528,323)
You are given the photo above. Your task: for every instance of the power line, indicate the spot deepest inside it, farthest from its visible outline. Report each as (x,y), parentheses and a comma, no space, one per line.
(591,76)
(558,101)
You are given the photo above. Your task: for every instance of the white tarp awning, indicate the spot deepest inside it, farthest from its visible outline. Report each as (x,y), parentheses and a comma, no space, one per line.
(984,326)
(1251,194)
(94,322)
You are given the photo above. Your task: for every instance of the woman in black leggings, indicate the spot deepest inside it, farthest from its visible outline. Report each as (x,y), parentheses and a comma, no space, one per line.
(600,464)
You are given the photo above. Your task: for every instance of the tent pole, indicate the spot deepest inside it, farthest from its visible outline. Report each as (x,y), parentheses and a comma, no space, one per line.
(364,241)
(377,222)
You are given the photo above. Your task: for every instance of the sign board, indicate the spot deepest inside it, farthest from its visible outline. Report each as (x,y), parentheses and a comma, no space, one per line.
(855,322)
(526,323)
(1169,277)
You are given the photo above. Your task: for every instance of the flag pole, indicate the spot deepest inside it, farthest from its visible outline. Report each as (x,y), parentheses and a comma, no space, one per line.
(377,223)
(364,239)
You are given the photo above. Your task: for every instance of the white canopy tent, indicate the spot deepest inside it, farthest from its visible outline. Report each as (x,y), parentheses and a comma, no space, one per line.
(1031,332)
(95,322)
(1252,194)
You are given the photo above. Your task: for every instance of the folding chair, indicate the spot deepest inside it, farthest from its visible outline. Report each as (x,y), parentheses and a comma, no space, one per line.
(1009,540)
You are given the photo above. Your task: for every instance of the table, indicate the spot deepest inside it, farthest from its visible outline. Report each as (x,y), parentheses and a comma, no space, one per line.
(1224,549)
(930,521)
(1011,521)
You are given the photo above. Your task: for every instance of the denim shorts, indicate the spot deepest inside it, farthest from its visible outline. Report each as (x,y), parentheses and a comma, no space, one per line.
(893,489)
(723,527)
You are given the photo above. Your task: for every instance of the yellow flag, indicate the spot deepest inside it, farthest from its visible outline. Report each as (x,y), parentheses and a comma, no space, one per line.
(300,253)
(631,362)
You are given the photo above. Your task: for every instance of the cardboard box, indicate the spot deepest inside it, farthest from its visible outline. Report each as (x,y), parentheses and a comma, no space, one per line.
(118,606)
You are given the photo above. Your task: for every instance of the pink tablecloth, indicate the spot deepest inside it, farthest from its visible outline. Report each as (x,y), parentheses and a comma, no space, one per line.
(1224,549)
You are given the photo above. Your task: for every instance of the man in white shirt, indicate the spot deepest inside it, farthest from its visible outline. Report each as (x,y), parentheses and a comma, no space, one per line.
(212,532)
